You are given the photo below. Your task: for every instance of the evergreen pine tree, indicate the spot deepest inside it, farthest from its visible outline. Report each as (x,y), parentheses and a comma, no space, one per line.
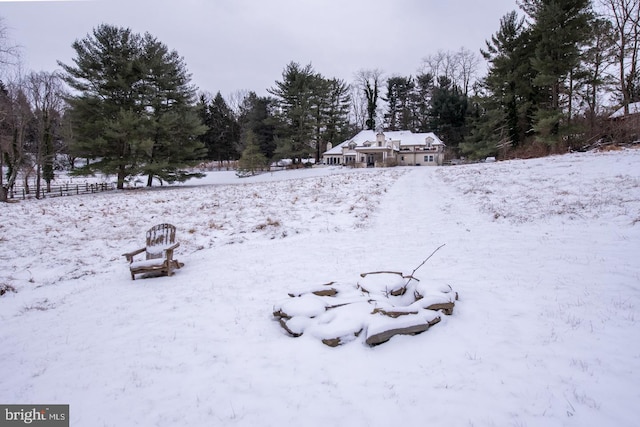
(256,115)
(448,112)
(174,124)
(336,118)
(508,83)
(133,111)
(252,159)
(222,137)
(559,28)
(421,102)
(297,100)
(399,103)
(313,110)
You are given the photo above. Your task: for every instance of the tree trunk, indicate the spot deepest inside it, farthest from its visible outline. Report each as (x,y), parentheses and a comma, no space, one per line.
(38,181)
(121,176)
(48,155)
(570,107)
(623,87)
(3,190)
(26,182)
(4,193)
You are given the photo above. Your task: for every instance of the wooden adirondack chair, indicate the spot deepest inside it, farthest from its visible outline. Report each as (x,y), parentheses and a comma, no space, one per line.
(161,242)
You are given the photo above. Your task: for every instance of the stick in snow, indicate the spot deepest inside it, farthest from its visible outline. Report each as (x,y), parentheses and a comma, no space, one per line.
(423,263)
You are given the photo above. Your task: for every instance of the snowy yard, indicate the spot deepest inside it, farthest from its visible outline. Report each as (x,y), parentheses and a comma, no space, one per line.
(544,254)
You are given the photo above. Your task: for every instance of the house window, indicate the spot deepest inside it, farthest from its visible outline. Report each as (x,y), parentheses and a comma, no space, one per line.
(426,158)
(362,159)
(401,157)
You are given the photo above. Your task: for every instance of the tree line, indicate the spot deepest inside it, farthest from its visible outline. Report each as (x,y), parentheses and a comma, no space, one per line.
(127,107)
(552,72)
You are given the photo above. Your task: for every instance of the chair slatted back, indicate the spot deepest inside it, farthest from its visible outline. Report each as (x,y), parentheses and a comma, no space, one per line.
(160,237)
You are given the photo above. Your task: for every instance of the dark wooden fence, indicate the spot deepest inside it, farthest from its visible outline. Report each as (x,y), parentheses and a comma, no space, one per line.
(18,192)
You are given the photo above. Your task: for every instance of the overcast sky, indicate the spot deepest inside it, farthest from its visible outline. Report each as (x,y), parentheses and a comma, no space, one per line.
(231,45)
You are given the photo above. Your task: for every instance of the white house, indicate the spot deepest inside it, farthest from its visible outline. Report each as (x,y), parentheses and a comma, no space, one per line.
(391,148)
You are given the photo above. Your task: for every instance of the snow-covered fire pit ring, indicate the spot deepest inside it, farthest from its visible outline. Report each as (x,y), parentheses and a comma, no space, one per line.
(378,306)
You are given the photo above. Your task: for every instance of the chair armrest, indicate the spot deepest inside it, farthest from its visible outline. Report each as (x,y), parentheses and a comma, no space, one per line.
(169,251)
(130,255)
(172,247)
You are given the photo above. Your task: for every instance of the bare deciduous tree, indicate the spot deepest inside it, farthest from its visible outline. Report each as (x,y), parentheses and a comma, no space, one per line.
(44,90)
(17,116)
(441,64)
(9,52)
(369,82)
(459,67)
(9,55)
(469,62)
(592,78)
(5,136)
(236,99)
(625,18)
(358,107)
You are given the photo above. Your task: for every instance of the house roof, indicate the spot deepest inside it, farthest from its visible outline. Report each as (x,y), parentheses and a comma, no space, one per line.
(406,138)
(634,108)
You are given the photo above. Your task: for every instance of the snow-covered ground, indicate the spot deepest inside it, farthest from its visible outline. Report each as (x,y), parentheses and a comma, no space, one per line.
(544,255)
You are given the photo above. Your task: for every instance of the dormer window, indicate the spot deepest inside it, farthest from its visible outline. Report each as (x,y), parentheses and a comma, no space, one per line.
(352,145)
